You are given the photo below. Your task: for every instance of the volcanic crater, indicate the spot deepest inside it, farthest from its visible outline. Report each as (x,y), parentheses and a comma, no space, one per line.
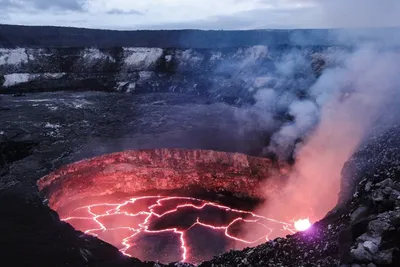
(169,205)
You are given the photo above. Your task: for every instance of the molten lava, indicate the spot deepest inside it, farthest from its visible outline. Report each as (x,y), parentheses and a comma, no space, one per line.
(186,229)
(116,198)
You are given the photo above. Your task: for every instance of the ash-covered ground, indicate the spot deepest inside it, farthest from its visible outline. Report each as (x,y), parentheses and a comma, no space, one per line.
(82,125)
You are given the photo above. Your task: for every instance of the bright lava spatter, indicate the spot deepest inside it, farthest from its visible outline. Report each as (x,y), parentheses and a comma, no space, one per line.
(126,225)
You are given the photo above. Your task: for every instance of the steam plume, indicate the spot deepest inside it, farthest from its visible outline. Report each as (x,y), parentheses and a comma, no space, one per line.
(345,105)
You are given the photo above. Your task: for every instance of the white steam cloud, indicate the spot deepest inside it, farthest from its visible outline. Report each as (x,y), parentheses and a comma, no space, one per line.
(352,98)
(305,114)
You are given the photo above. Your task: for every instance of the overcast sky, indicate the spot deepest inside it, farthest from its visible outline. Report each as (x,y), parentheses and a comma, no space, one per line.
(202,14)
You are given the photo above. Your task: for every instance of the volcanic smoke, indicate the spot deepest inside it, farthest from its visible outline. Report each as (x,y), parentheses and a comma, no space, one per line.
(353,98)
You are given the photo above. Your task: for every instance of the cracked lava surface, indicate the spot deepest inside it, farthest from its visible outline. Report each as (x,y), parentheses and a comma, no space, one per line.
(116,197)
(170,229)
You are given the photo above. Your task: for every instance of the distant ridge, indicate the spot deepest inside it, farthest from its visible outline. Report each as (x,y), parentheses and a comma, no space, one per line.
(51,36)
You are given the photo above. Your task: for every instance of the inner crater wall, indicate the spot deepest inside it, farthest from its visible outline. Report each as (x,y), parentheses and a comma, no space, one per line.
(132,172)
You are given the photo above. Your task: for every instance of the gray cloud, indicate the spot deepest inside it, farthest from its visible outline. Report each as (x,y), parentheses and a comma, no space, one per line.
(5,4)
(359,13)
(58,5)
(117,11)
(275,14)
(253,19)
(306,14)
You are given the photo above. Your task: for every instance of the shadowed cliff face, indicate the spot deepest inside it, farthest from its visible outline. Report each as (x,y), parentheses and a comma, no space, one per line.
(231,75)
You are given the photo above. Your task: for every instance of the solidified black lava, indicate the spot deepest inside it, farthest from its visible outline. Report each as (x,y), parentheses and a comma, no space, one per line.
(11,151)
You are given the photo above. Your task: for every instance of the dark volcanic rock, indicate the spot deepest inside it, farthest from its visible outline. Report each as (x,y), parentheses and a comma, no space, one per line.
(32,235)
(12,151)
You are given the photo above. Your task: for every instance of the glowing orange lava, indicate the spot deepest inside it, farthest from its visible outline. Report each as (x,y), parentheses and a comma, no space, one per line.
(133,226)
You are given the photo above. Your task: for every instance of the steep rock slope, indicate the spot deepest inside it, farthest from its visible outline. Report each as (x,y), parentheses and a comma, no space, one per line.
(186,171)
(230,75)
